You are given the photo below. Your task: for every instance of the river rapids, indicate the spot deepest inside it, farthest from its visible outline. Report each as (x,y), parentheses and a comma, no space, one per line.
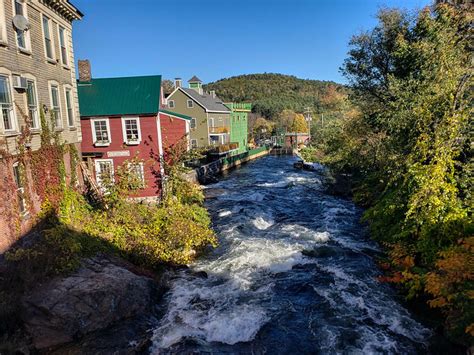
(294,273)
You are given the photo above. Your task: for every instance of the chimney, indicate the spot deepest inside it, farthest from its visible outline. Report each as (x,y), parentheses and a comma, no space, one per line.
(84,67)
(213,94)
(178,83)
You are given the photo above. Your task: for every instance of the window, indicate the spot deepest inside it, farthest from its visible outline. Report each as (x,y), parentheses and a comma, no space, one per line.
(62,45)
(6,106)
(193,123)
(138,172)
(190,104)
(48,44)
(171,103)
(32,104)
(194,143)
(101,132)
(3,27)
(22,38)
(69,109)
(104,172)
(131,130)
(19,187)
(55,107)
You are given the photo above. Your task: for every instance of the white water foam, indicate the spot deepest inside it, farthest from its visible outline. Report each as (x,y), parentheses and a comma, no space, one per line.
(224,213)
(261,223)
(209,309)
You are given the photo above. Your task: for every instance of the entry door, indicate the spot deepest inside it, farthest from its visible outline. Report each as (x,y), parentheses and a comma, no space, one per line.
(104,168)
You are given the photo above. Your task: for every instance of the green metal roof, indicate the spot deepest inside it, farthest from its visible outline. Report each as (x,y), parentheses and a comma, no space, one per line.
(119,96)
(180,115)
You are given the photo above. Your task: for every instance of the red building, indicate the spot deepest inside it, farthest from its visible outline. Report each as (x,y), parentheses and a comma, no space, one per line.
(123,119)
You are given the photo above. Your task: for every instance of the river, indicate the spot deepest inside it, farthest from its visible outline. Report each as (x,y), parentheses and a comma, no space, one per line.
(294,274)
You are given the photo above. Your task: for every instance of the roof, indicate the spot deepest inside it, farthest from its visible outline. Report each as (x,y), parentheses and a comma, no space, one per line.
(120,96)
(194,79)
(180,115)
(65,8)
(207,101)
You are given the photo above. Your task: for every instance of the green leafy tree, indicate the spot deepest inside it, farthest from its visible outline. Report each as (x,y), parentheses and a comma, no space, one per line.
(408,149)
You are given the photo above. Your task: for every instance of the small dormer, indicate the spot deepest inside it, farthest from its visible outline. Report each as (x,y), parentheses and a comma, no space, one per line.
(196,84)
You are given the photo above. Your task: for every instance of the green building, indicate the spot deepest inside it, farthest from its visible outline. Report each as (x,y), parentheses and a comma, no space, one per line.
(239,124)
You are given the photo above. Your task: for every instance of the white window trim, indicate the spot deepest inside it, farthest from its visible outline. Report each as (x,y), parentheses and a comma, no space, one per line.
(66,65)
(124,133)
(27,48)
(15,129)
(66,89)
(171,102)
(188,102)
(50,27)
(142,169)
(194,145)
(51,84)
(20,189)
(96,165)
(3,25)
(94,135)
(32,78)
(193,119)
(35,119)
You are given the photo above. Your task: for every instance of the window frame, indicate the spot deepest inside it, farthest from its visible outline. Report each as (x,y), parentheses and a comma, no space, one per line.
(12,116)
(195,145)
(124,131)
(94,133)
(20,189)
(3,25)
(171,104)
(64,57)
(193,123)
(97,176)
(188,102)
(51,40)
(56,86)
(26,34)
(141,165)
(68,89)
(35,121)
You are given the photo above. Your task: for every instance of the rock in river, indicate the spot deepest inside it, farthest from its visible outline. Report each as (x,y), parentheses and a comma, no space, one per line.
(99,294)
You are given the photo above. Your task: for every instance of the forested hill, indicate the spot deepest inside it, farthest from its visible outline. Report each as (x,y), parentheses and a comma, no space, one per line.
(271,93)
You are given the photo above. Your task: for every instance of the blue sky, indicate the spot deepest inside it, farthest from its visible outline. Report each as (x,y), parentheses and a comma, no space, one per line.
(221,38)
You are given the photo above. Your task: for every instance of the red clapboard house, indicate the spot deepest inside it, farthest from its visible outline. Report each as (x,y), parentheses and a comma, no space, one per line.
(123,119)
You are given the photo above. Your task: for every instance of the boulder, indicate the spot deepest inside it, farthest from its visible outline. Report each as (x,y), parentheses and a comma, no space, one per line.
(100,293)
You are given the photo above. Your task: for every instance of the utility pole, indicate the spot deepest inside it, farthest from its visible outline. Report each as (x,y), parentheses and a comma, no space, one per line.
(308,118)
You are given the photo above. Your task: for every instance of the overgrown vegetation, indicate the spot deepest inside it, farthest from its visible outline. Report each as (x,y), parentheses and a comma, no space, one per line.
(409,151)
(271,93)
(69,227)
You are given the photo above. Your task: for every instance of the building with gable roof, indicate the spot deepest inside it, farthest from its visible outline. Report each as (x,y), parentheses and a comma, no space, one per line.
(123,119)
(210,118)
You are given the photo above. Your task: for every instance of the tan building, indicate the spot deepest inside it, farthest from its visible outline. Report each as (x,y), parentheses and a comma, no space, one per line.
(37,74)
(210,124)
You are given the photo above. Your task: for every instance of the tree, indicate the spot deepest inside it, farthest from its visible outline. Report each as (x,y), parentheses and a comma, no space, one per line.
(298,125)
(409,151)
(167,86)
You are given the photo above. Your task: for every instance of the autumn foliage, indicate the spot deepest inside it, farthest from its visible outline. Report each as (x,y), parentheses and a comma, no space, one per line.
(408,148)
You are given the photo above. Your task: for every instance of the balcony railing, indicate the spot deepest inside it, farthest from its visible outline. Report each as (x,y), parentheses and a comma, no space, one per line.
(224,148)
(217,130)
(239,106)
